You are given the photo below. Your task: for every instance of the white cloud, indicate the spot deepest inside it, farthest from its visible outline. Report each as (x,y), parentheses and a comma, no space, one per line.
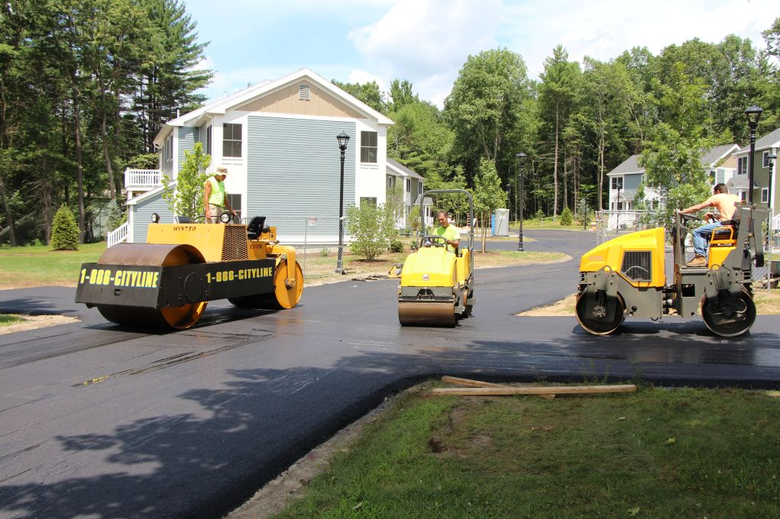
(532,30)
(427,41)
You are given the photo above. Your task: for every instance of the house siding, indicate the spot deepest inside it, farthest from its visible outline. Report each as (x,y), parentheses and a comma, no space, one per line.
(293,168)
(142,216)
(188,136)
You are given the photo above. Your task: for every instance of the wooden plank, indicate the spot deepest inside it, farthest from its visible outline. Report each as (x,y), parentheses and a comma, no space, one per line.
(547,390)
(469,382)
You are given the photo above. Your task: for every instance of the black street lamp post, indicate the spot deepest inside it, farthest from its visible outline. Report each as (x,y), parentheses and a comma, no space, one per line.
(520,163)
(771,201)
(753,115)
(343,140)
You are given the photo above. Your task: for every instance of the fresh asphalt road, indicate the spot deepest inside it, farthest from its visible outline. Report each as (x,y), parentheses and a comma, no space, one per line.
(99,421)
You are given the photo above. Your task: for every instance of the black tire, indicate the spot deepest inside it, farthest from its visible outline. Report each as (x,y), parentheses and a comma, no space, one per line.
(598,327)
(729,317)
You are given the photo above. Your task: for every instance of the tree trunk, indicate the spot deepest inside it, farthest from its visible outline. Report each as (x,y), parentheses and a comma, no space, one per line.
(107,156)
(555,163)
(79,163)
(8,216)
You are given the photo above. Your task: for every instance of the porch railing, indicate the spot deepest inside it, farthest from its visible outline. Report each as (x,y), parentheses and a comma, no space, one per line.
(118,235)
(139,179)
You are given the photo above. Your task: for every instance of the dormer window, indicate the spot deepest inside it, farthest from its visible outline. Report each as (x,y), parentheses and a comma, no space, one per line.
(304,93)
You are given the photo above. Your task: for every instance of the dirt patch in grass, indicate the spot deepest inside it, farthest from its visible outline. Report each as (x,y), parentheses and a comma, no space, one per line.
(32,322)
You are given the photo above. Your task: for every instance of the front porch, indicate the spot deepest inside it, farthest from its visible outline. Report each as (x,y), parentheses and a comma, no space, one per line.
(139,181)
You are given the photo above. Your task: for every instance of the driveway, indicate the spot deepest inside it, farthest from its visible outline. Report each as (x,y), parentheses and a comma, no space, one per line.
(99,421)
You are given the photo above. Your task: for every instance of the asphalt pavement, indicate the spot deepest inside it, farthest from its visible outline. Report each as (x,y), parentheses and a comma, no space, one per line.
(100,421)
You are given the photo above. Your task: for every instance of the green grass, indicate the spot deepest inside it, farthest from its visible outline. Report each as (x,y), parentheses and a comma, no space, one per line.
(657,453)
(39,265)
(8,320)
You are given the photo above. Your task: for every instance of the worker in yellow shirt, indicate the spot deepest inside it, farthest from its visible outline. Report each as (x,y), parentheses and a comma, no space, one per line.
(215,197)
(449,232)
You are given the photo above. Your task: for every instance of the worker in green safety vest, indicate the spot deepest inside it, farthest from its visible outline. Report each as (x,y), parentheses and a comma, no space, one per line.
(449,232)
(215,197)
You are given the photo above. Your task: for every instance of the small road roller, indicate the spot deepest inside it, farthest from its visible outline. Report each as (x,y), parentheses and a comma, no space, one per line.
(626,276)
(168,281)
(437,286)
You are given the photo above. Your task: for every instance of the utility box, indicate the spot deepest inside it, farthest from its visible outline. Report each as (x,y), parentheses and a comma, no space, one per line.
(500,223)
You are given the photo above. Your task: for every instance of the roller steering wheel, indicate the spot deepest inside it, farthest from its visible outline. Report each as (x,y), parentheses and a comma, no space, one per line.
(434,241)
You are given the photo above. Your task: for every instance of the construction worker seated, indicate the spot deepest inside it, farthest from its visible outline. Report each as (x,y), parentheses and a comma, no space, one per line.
(725,206)
(449,232)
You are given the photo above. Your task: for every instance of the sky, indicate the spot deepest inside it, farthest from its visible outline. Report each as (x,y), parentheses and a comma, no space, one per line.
(427,41)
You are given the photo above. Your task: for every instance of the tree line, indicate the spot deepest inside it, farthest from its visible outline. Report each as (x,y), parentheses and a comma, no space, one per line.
(85,85)
(580,120)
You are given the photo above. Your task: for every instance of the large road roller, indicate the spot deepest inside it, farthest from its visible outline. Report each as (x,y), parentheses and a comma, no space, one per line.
(437,285)
(168,281)
(626,276)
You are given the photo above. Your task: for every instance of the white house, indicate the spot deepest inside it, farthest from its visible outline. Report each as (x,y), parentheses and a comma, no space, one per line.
(411,186)
(278,141)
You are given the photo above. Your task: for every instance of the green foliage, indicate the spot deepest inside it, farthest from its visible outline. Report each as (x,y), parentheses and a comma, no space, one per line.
(371,227)
(324,252)
(488,194)
(65,232)
(566,216)
(396,246)
(673,168)
(369,93)
(414,218)
(539,215)
(116,216)
(185,197)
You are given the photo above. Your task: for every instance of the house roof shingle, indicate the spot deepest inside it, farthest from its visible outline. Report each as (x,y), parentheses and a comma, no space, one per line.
(630,165)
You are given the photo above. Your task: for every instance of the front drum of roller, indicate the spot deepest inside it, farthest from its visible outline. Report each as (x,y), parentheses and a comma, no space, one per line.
(153,255)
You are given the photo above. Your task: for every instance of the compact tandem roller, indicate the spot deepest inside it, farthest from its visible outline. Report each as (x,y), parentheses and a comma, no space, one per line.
(168,281)
(437,286)
(626,276)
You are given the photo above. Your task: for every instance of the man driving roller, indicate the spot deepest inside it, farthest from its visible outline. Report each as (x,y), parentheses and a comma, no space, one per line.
(449,232)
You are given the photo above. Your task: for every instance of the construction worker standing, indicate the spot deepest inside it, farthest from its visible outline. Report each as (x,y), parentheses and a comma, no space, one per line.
(215,197)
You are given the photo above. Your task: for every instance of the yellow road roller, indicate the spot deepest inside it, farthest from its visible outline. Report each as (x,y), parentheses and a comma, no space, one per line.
(437,286)
(626,276)
(168,281)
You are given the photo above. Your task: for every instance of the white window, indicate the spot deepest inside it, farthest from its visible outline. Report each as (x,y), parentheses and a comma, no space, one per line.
(764,195)
(742,196)
(368,146)
(168,149)
(231,140)
(742,166)
(617,182)
(208,140)
(766,159)
(419,188)
(720,176)
(408,185)
(390,182)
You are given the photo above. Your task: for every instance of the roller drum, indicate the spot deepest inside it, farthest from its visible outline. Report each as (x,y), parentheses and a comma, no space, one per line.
(427,314)
(153,255)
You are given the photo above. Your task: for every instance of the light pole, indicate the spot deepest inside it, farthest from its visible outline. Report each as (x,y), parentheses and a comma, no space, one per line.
(520,163)
(753,115)
(343,140)
(771,201)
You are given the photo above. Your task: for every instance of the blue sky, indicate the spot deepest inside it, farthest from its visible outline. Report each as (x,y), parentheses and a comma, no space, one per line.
(427,41)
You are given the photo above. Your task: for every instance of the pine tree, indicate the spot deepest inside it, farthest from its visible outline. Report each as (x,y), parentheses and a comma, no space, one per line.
(65,232)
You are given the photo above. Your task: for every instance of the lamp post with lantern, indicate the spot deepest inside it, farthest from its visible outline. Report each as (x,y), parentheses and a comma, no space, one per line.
(343,140)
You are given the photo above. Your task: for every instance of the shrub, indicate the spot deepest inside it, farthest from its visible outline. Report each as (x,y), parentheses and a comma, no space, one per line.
(540,215)
(64,231)
(396,246)
(324,252)
(370,228)
(566,217)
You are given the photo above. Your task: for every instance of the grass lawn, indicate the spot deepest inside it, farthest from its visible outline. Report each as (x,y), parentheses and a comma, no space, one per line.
(40,266)
(689,453)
